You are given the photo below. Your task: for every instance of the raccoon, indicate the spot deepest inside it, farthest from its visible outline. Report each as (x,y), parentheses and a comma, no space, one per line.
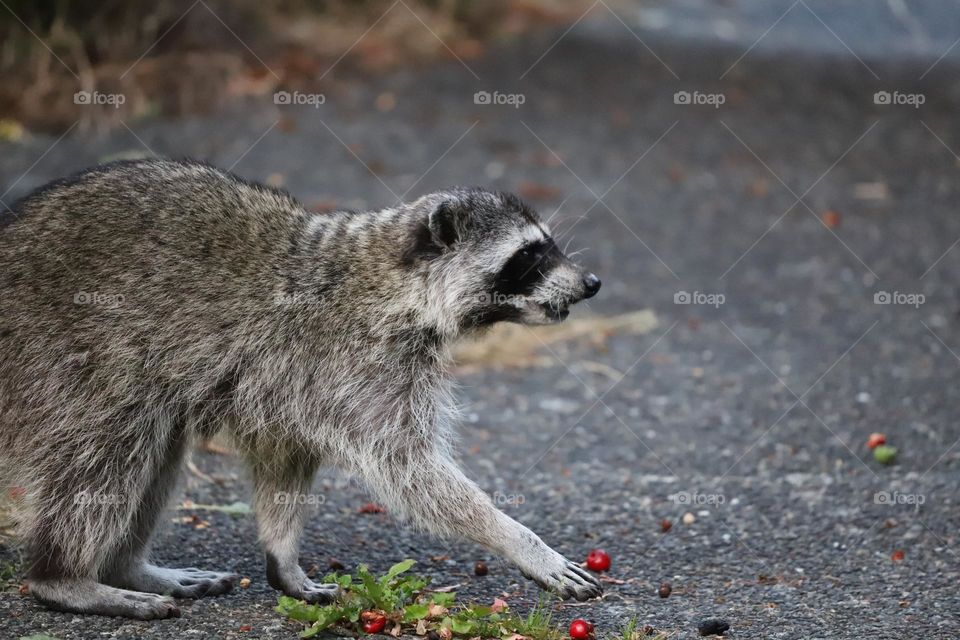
(148,304)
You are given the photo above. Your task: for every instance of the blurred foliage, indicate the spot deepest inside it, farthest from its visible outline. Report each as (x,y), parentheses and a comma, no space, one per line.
(184,56)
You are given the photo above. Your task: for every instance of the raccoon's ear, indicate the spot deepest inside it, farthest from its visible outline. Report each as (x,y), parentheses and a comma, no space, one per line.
(448,223)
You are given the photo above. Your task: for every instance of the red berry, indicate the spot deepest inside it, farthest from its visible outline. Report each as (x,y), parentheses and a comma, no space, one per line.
(876,439)
(580,629)
(373,621)
(598,561)
(897,556)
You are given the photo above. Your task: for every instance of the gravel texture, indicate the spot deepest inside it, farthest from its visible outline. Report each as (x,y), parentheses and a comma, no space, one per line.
(750,413)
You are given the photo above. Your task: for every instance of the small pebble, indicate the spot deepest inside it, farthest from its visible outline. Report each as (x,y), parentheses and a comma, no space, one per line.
(712,627)
(689,518)
(480,568)
(664,590)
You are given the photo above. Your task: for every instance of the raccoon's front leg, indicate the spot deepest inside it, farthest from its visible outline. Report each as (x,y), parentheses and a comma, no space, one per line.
(433,492)
(280,505)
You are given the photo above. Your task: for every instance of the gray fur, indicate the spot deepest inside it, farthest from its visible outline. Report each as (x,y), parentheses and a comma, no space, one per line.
(149,303)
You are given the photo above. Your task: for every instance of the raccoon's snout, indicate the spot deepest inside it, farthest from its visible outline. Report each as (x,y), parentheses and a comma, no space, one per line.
(591,285)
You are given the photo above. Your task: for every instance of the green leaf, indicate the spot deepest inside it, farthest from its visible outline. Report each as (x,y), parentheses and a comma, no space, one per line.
(397,569)
(461,626)
(297,610)
(444,598)
(371,588)
(415,612)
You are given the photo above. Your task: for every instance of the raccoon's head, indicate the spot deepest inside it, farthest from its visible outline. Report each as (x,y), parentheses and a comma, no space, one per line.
(491,259)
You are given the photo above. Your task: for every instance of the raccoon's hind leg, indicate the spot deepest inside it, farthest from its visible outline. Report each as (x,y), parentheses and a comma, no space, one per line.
(281,495)
(128,567)
(82,509)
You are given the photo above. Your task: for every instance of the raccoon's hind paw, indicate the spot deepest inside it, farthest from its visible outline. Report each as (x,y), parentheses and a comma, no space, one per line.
(196,583)
(179,583)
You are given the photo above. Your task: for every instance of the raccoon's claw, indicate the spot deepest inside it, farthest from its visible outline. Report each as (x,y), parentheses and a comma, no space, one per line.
(571,581)
(148,606)
(315,592)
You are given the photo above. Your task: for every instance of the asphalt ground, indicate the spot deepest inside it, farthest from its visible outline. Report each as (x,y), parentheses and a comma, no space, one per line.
(783,212)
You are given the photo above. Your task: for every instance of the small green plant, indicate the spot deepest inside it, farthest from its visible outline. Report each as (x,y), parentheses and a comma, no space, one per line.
(8,571)
(631,631)
(409,607)
(399,603)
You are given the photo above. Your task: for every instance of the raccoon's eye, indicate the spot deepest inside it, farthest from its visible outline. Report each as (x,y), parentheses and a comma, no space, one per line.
(523,270)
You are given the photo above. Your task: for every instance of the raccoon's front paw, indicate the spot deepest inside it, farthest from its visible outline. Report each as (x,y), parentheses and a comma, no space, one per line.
(315,592)
(566,579)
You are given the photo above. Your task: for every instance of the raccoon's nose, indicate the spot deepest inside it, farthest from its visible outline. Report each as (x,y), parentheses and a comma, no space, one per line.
(592,284)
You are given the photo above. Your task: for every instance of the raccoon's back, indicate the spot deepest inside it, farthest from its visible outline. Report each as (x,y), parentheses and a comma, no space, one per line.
(136,266)
(173,229)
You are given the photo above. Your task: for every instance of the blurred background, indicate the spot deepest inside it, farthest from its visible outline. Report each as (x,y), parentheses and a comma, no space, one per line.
(768,190)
